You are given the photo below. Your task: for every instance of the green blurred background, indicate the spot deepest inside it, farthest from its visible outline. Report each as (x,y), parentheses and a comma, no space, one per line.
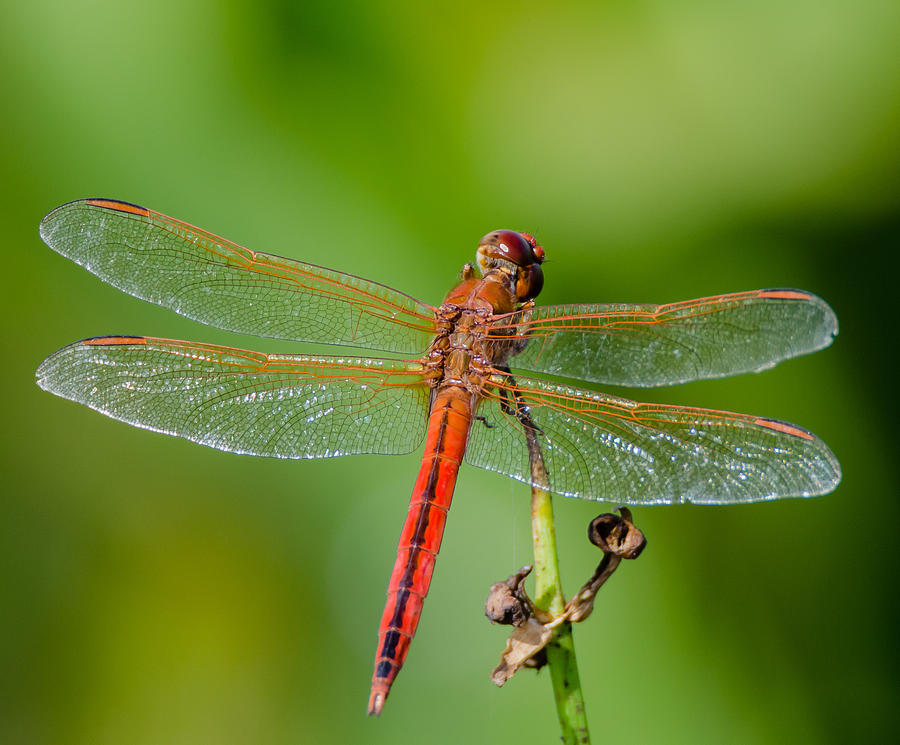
(154,591)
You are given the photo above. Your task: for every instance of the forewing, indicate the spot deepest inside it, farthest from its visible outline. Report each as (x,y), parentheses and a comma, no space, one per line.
(653,345)
(601,447)
(222,284)
(284,406)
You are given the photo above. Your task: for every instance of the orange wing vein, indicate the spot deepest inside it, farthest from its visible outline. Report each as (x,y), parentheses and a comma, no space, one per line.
(219,283)
(602,447)
(284,406)
(652,345)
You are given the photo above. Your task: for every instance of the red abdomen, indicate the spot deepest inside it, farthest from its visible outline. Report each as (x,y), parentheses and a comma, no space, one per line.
(420,541)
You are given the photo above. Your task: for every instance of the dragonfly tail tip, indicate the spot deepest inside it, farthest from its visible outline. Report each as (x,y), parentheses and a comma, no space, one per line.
(376,703)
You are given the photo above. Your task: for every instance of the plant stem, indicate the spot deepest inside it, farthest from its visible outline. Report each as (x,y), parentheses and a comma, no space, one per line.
(549,596)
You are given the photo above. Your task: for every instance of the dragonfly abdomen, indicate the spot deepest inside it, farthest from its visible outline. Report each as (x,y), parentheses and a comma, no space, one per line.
(420,540)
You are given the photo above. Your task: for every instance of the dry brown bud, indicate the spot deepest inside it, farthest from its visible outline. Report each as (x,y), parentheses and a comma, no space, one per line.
(507,602)
(617,535)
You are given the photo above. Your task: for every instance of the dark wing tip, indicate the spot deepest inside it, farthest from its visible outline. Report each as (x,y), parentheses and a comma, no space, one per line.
(115,205)
(829,323)
(832,475)
(785,428)
(113,340)
(95,341)
(118,205)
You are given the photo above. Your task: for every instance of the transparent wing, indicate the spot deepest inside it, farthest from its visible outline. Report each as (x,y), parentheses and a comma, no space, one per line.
(219,283)
(284,406)
(653,345)
(606,448)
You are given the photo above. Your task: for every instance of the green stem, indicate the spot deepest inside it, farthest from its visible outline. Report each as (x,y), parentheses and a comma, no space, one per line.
(549,596)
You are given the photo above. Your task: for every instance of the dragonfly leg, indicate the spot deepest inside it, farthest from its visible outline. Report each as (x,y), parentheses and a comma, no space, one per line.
(517,409)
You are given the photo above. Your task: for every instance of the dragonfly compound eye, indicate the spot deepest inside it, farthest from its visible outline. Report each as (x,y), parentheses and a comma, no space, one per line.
(508,245)
(538,250)
(530,281)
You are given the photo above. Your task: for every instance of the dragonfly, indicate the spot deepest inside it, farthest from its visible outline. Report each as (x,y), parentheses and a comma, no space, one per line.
(447,379)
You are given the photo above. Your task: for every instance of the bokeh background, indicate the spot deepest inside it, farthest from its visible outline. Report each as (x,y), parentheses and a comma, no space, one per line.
(153,591)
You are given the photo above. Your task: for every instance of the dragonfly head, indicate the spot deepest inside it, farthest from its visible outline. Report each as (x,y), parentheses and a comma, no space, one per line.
(517,256)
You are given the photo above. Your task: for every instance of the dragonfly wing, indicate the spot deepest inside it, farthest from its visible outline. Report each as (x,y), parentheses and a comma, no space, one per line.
(601,447)
(285,406)
(653,345)
(222,284)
